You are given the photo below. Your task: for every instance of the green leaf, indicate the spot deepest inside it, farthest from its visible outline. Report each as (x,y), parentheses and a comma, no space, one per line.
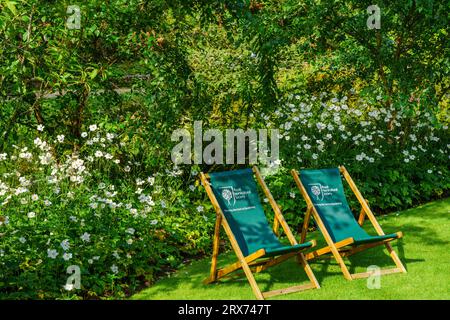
(93,73)
(11,6)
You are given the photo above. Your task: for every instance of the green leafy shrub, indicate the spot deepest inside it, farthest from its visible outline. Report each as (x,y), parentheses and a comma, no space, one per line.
(84,209)
(397,157)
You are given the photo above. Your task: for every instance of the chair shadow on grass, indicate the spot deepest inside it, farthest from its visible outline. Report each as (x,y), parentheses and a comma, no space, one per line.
(379,256)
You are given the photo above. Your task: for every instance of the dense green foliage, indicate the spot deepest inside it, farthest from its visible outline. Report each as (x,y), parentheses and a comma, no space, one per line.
(86,117)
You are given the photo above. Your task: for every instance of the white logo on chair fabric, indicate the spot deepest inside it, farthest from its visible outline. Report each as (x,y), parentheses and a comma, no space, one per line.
(232,195)
(227,194)
(321,192)
(316,191)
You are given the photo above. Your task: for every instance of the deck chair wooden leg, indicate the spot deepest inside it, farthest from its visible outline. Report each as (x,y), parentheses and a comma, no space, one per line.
(241,258)
(216,241)
(251,280)
(305,225)
(308,270)
(361,217)
(341,263)
(276,226)
(244,264)
(395,257)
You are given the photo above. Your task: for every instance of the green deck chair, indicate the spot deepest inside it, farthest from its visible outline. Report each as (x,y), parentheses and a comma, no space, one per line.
(238,209)
(325,198)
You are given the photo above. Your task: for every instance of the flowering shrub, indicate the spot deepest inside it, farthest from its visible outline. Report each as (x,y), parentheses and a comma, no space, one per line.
(85,210)
(397,157)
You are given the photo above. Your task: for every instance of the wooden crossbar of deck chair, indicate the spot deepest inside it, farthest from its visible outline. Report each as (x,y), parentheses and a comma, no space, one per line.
(239,211)
(323,192)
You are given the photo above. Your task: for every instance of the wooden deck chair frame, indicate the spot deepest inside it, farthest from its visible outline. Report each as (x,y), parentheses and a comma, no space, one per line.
(249,263)
(340,250)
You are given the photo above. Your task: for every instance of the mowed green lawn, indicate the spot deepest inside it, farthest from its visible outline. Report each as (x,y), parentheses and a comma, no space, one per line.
(424,250)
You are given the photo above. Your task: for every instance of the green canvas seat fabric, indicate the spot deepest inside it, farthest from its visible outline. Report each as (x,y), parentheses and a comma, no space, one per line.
(325,189)
(238,198)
